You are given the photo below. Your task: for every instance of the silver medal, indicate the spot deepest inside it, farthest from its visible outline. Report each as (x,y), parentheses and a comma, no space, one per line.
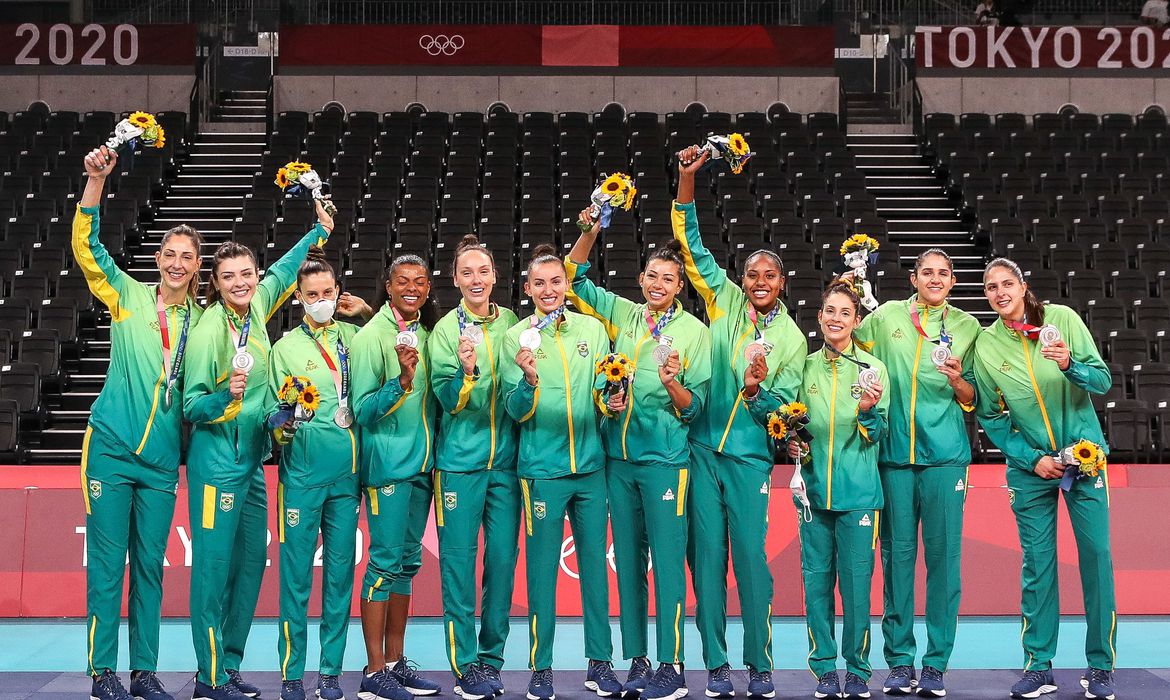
(167,397)
(472,333)
(1049,335)
(343,417)
(867,377)
(243,360)
(530,338)
(407,338)
(940,354)
(754,350)
(662,354)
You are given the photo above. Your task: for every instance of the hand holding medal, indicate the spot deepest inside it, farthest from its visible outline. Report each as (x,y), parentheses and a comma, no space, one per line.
(1053,347)
(871,388)
(407,362)
(755,374)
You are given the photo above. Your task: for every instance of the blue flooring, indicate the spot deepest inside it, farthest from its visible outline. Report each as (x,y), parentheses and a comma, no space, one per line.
(981,643)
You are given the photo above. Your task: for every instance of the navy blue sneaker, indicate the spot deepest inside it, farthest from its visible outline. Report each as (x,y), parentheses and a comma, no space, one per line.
(667,683)
(492,675)
(639,676)
(855,687)
(541,686)
(145,685)
(719,682)
(329,687)
(242,685)
(601,679)
(407,676)
(380,685)
(760,684)
(472,685)
(931,684)
(828,686)
(227,691)
(1098,683)
(901,681)
(292,690)
(108,687)
(1033,684)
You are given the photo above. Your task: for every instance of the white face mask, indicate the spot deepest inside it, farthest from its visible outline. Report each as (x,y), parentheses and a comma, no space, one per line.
(321,310)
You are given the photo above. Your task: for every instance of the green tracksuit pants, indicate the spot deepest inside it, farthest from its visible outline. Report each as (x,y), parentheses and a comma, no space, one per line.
(1034,503)
(648,512)
(128,509)
(229,552)
(465,503)
(333,511)
(729,513)
(397,517)
(837,547)
(934,497)
(580,497)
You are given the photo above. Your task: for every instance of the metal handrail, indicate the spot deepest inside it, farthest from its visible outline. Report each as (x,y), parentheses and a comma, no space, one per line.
(842,105)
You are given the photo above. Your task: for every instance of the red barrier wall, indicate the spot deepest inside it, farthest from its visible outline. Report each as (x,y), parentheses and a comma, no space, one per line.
(42,554)
(125,45)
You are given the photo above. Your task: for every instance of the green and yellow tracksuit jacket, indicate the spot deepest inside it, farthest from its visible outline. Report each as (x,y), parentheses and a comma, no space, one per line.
(926,421)
(475,431)
(398,427)
(842,473)
(560,431)
(651,430)
(725,425)
(320,452)
(1049,409)
(230,437)
(131,407)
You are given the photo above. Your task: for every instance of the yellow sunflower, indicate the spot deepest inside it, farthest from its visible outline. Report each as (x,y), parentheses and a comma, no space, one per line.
(310,400)
(142,120)
(282,178)
(614,184)
(1088,456)
(737,144)
(777,429)
(162,138)
(633,192)
(298,167)
(797,409)
(858,241)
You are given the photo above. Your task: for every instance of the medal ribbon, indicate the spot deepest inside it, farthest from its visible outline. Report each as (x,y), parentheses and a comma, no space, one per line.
(754,315)
(171,367)
(240,339)
(340,379)
(548,320)
(943,337)
(403,324)
(656,328)
(462,316)
(854,360)
(1026,329)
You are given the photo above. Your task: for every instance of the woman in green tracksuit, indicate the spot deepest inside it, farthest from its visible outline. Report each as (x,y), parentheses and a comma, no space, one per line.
(1034,370)
(226,400)
(731,455)
(648,458)
(475,474)
(923,460)
(549,391)
(397,412)
(318,489)
(130,453)
(843,388)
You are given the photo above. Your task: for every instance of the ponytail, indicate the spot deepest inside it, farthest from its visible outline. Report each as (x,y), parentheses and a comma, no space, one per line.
(315,263)
(670,251)
(1033,307)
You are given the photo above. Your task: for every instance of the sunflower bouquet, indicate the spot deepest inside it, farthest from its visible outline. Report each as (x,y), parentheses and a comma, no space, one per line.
(138,128)
(860,251)
(297,179)
(788,423)
(615,192)
(1084,459)
(617,370)
(297,401)
(731,149)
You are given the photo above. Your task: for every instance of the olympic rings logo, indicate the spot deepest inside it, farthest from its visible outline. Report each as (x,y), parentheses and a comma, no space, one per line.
(440,44)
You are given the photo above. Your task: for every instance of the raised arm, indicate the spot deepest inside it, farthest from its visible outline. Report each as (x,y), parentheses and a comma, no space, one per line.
(702,269)
(280,277)
(105,280)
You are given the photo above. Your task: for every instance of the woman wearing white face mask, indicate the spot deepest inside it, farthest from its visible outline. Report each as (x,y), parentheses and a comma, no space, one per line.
(318,488)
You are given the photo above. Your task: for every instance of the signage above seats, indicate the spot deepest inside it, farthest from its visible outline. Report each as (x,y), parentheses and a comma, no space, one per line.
(1015,48)
(112,45)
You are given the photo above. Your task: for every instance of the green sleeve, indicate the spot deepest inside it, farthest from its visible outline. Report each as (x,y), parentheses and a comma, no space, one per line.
(276,374)
(453,387)
(592,300)
(105,279)
(698,375)
(373,400)
(866,332)
(785,381)
(281,276)
(203,401)
(520,401)
(1085,368)
(763,404)
(707,275)
(875,421)
(989,409)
